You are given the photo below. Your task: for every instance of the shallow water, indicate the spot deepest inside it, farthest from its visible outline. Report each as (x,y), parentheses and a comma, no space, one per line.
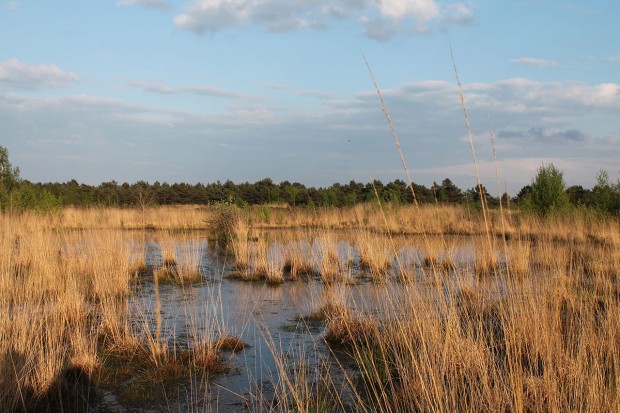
(268,318)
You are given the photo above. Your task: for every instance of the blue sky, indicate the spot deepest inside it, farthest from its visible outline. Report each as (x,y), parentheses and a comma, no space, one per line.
(206,90)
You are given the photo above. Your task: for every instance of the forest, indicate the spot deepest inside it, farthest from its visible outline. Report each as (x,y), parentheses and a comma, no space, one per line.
(19,194)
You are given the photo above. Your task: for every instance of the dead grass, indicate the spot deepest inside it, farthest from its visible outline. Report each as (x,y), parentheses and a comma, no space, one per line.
(327,258)
(375,254)
(536,328)
(65,298)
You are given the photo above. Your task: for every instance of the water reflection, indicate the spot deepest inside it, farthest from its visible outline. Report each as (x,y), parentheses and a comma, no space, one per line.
(271,318)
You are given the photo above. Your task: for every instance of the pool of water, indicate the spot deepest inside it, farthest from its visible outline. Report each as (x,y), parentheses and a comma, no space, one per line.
(271,319)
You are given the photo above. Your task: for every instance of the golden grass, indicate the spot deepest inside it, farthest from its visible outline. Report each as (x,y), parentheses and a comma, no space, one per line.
(327,258)
(375,254)
(298,259)
(65,302)
(537,328)
(239,244)
(438,219)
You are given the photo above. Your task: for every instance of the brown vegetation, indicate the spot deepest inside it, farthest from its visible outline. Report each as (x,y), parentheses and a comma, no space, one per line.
(526,319)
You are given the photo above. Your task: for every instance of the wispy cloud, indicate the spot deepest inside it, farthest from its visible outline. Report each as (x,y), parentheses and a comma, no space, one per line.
(380,18)
(545,134)
(10,5)
(566,123)
(458,13)
(315,93)
(535,62)
(615,59)
(17,75)
(155,4)
(203,90)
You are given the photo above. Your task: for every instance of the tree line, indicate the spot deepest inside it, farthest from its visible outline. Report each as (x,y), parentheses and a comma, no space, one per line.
(19,194)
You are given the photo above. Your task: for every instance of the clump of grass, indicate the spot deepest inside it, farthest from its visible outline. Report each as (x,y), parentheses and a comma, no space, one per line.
(303,387)
(486,260)
(448,261)
(431,252)
(189,255)
(139,269)
(275,274)
(551,256)
(204,358)
(168,253)
(298,260)
(181,263)
(223,220)
(230,343)
(328,311)
(348,329)
(375,254)
(239,243)
(518,258)
(259,260)
(327,259)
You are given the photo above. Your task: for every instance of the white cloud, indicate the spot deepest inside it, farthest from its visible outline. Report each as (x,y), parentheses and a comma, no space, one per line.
(458,13)
(204,90)
(570,124)
(421,10)
(156,4)
(381,18)
(10,5)
(17,75)
(212,15)
(528,96)
(535,62)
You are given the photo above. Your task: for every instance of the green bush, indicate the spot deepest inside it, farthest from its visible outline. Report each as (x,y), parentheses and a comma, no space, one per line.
(605,195)
(25,197)
(547,196)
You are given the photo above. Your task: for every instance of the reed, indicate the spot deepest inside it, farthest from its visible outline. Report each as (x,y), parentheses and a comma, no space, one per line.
(518,256)
(298,259)
(260,262)
(189,257)
(67,305)
(239,244)
(533,328)
(275,264)
(327,262)
(486,259)
(374,254)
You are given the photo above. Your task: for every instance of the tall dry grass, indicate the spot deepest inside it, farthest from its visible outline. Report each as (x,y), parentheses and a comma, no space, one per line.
(536,331)
(490,339)
(67,306)
(504,342)
(375,254)
(181,258)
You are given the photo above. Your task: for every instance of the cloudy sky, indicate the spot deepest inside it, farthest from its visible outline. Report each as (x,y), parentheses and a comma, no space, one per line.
(206,90)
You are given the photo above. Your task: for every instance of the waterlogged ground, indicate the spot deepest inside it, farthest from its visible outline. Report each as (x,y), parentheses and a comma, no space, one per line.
(271,319)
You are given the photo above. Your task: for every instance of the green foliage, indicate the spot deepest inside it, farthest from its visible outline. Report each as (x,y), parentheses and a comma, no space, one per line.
(9,178)
(265,213)
(606,196)
(448,192)
(474,200)
(547,196)
(25,197)
(17,195)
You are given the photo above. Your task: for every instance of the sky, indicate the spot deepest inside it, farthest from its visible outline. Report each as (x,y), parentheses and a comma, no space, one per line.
(206,90)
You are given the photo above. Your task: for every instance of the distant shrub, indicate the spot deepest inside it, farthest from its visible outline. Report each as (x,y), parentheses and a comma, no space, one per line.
(606,195)
(547,195)
(25,197)
(222,220)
